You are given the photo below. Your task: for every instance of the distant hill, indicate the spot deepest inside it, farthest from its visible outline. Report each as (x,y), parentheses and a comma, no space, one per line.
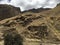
(37,10)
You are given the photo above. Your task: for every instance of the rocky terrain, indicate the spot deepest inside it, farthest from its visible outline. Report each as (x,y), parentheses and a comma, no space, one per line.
(42,26)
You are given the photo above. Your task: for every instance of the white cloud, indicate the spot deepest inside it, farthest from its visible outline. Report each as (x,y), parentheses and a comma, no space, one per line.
(29,4)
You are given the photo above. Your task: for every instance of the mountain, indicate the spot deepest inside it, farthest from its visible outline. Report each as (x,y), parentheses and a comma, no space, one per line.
(36,10)
(7,11)
(34,26)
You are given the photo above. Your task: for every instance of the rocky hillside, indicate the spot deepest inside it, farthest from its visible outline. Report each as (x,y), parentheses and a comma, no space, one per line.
(44,26)
(7,11)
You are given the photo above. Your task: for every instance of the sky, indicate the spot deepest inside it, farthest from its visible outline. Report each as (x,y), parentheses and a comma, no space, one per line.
(30,4)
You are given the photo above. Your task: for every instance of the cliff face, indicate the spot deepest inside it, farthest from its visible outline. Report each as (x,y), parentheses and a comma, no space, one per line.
(7,11)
